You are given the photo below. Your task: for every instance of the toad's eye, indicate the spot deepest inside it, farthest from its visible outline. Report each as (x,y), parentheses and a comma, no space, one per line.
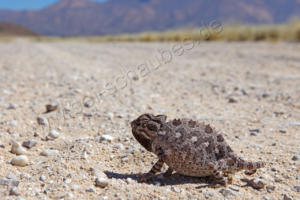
(152,127)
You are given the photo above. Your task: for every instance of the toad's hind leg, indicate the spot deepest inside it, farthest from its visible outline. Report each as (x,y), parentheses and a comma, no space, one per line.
(169,172)
(217,172)
(156,168)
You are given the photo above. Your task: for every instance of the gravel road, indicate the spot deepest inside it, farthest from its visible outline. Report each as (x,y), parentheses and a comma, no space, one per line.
(82,148)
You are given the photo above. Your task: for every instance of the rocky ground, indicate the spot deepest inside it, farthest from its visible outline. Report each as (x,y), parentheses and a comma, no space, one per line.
(82,148)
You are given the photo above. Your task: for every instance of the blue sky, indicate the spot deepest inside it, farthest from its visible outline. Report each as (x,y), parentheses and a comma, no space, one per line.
(27,4)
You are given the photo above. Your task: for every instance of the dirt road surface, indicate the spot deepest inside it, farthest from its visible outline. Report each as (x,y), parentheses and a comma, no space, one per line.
(248,91)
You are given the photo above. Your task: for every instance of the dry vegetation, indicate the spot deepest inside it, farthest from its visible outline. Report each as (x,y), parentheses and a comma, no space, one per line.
(284,32)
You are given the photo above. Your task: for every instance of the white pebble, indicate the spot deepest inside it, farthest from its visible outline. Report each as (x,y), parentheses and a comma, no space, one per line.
(43,178)
(13,122)
(21,161)
(257,183)
(101,182)
(42,121)
(53,134)
(17,149)
(75,187)
(12,106)
(50,152)
(107,138)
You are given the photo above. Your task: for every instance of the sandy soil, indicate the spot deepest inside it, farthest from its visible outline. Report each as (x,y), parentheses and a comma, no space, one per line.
(249,91)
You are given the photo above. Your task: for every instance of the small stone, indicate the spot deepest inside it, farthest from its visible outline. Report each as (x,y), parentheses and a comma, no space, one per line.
(12,106)
(75,187)
(256,130)
(17,148)
(14,192)
(11,176)
(69,196)
(29,143)
(14,183)
(234,188)
(91,189)
(277,179)
(88,104)
(101,182)
(51,107)
(226,193)
(257,184)
(42,121)
(270,188)
(53,134)
(287,197)
(21,161)
(125,159)
(13,123)
(175,189)
(232,100)
(107,138)
(282,131)
(43,178)
(297,188)
(208,194)
(296,158)
(265,95)
(4,182)
(50,152)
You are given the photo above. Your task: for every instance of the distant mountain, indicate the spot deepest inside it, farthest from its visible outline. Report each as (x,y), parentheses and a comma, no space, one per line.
(86,17)
(9,29)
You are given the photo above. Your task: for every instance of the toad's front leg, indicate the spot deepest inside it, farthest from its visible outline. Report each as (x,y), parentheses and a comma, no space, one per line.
(156,168)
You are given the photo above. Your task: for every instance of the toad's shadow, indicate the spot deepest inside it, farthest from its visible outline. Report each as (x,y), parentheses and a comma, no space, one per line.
(159,179)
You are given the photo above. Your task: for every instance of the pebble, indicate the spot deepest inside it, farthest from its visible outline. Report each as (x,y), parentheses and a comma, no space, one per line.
(296,158)
(42,121)
(11,176)
(43,178)
(13,123)
(297,188)
(51,107)
(270,188)
(17,148)
(91,189)
(75,187)
(287,197)
(232,100)
(53,134)
(257,183)
(14,192)
(107,138)
(208,194)
(175,189)
(50,152)
(101,182)
(226,193)
(29,143)
(12,106)
(21,161)
(4,182)
(277,179)
(265,95)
